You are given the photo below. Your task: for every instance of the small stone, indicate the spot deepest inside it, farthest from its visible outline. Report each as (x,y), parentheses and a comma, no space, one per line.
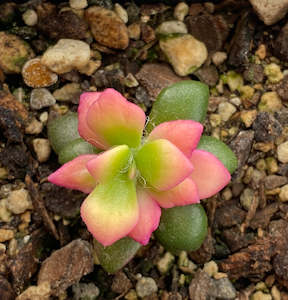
(130,81)
(276,295)
(121,12)
(181,11)
(270,102)
(19,201)
(282,152)
(107,27)
(42,291)
(234,80)
(3,173)
(226,110)
(273,72)
(186,265)
(41,98)
(131,295)
(248,117)
(274,181)
(272,165)
(30,17)
(87,291)
(220,275)
(78,4)
(34,127)
(280,48)
(215,120)
(5,214)
(66,266)
(165,263)
(66,55)
(270,12)
(67,92)
(14,52)
(37,75)
(261,51)
(145,287)
(43,117)
(246,92)
(225,289)
(246,198)
(284,193)
(185,53)
(147,33)
(261,296)
(254,73)
(91,67)
(219,57)
(121,283)
(6,235)
(208,75)
(210,268)
(134,31)
(170,27)
(42,149)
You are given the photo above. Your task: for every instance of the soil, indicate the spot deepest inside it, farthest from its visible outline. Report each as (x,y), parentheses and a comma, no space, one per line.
(248,220)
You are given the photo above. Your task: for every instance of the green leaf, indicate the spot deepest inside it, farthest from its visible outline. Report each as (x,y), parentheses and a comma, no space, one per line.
(220,150)
(63,130)
(186,100)
(74,149)
(182,228)
(116,256)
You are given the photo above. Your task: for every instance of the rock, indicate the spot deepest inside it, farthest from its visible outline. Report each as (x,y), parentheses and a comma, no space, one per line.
(209,29)
(226,110)
(78,4)
(145,287)
(274,181)
(147,33)
(66,266)
(185,53)
(14,52)
(280,48)
(186,265)
(246,198)
(5,214)
(6,235)
(42,149)
(121,12)
(130,81)
(267,128)
(270,102)
(165,262)
(254,73)
(261,296)
(208,75)
(107,27)
(169,27)
(282,89)
(181,11)
(134,31)
(248,117)
(60,24)
(88,291)
(38,292)
(121,283)
(210,268)
(224,289)
(219,57)
(273,72)
(41,98)
(91,67)
(19,201)
(282,152)
(234,80)
(6,290)
(67,92)
(270,12)
(34,127)
(37,75)
(66,55)
(30,17)
(154,77)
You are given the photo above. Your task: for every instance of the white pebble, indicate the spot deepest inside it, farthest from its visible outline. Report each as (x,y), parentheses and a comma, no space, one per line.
(181,10)
(226,110)
(42,149)
(19,201)
(78,4)
(282,152)
(121,12)
(30,17)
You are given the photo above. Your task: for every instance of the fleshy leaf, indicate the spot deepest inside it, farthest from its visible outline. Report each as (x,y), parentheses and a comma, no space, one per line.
(116,256)
(209,174)
(184,134)
(149,217)
(86,100)
(184,100)
(111,163)
(220,150)
(75,148)
(111,210)
(162,164)
(62,131)
(183,194)
(115,121)
(182,228)
(74,175)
